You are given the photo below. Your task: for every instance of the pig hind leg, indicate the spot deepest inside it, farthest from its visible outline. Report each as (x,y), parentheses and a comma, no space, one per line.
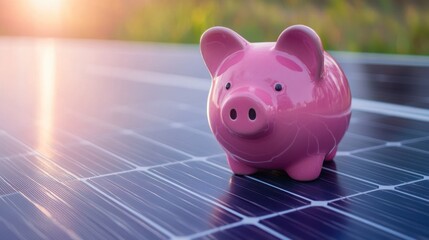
(307,168)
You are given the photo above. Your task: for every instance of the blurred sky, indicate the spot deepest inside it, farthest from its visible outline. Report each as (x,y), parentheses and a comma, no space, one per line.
(395,26)
(63,18)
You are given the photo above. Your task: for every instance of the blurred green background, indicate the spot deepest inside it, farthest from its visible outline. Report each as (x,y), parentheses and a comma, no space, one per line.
(395,26)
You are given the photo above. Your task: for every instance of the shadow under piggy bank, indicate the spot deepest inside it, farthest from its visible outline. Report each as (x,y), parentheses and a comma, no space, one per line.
(272,191)
(269,192)
(328,186)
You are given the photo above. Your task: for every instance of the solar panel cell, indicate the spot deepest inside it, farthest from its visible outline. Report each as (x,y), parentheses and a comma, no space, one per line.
(83,213)
(353,141)
(87,160)
(422,145)
(10,147)
(241,194)
(171,207)
(247,231)
(393,210)
(323,223)
(370,171)
(31,171)
(137,149)
(21,219)
(419,189)
(328,186)
(399,157)
(194,143)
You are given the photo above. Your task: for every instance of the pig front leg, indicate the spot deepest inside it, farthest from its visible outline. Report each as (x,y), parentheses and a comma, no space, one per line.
(238,167)
(307,168)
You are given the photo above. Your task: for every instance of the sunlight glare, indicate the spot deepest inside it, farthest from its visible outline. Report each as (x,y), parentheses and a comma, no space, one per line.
(46,15)
(46,6)
(47,59)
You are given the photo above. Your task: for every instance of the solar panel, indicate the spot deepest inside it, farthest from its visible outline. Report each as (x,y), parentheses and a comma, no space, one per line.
(107,140)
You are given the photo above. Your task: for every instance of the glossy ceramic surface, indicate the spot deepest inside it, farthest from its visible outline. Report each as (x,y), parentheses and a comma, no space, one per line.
(283,105)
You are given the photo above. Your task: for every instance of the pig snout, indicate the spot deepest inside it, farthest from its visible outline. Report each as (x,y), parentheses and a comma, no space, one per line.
(245,115)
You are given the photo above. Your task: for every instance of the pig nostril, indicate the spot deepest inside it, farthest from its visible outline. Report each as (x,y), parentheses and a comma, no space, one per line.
(233,114)
(252,114)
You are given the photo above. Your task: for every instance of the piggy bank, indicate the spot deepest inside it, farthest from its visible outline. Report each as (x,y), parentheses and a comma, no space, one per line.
(275,105)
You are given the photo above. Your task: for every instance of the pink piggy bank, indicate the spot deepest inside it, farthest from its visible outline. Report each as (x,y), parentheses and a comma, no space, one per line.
(282,105)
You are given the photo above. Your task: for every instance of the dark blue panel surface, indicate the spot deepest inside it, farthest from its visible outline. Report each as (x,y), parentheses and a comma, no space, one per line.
(369,171)
(384,132)
(201,125)
(84,213)
(393,210)
(184,110)
(422,145)
(358,116)
(403,158)
(176,210)
(323,223)
(5,187)
(133,148)
(413,126)
(328,186)
(353,141)
(27,136)
(125,117)
(21,219)
(419,189)
(87,160)
(174,104)
(238,193)
(194,143)
(30,171)
(220,161)
(237,233)
(10,147)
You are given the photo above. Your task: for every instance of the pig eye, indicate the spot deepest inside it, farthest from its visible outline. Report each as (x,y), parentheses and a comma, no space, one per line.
(228,86)
(278,87)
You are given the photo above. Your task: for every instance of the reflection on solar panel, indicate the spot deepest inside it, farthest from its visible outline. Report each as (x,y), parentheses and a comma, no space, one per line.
(124,152)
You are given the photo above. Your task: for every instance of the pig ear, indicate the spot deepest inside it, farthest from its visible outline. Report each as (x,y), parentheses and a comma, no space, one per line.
(303,43)
(218,43)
